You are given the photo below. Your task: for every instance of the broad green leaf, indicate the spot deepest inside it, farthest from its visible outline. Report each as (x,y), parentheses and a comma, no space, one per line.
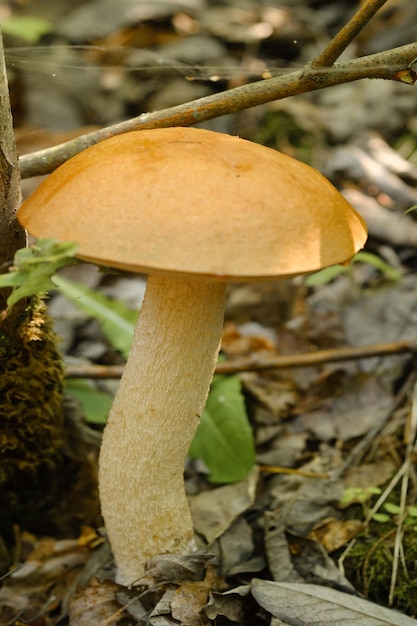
(34,266)
(96,404)
(224,438)
(117,320)
(30,29)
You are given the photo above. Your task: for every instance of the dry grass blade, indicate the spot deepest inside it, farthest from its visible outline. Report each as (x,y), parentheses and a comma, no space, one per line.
(411,445)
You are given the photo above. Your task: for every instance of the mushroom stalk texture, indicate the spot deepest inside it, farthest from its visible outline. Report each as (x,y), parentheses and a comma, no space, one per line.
(153,420)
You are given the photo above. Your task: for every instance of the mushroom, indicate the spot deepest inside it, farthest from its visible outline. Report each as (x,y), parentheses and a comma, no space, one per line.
(193,209)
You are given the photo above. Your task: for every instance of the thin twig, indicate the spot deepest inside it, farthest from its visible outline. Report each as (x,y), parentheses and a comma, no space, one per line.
(273,469)
(390,65)
(120,611)
(382,498)
(310,359)
(347,34)
(386,493)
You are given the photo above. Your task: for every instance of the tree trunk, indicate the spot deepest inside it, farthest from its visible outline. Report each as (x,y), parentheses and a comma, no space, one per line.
(31,373)
(13,236)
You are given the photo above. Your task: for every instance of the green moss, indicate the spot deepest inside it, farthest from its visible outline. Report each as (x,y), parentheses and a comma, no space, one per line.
(31,407)
(370,561)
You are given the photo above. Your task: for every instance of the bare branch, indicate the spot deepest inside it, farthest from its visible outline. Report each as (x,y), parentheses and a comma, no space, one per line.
(310,359)
(390,65)
(347,34)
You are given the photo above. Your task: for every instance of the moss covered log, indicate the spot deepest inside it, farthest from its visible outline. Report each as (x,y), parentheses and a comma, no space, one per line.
(31,412)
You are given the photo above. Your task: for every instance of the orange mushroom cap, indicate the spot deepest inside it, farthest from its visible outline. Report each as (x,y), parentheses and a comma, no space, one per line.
(188,201)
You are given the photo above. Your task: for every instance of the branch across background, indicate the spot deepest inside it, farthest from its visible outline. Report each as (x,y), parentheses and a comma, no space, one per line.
(347,34)
(395,64)
(310,359)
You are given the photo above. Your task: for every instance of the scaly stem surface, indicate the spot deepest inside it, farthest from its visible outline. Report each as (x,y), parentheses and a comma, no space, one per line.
(153,420)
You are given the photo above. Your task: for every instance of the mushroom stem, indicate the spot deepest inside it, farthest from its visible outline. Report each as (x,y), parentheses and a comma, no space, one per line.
(154,418)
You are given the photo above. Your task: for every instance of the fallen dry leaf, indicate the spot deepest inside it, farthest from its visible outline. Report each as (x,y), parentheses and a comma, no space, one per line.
(369,474)
(313,563)
(236,547)
(382,152)
(357,403)
(211,517)
(332,534)
(45,578)
(191,598)
(312,604)
(249,339)
(94,604)
(355,164)
(175,568)
(230,604)
(383,224)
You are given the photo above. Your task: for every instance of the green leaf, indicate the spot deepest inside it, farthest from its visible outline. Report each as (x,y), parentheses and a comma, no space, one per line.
(382,518)
(96,404)
(412,511)
(410,210)
(30,29)
(116,319)
(358,495)
(224,438)
(392,509)
(325,276)
(378,263)
(34,266)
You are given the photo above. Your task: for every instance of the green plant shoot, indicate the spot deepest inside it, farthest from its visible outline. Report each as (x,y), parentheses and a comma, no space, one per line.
(34,267)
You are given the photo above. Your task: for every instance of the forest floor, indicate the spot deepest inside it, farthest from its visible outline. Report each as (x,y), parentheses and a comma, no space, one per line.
(331,503)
